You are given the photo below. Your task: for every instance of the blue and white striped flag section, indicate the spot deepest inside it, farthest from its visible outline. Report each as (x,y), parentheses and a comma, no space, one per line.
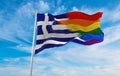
(51,32)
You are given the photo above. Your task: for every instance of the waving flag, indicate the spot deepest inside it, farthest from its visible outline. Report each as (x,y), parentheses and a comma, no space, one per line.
(57,30)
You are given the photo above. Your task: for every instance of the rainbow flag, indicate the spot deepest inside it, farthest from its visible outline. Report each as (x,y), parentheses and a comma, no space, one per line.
(57,30)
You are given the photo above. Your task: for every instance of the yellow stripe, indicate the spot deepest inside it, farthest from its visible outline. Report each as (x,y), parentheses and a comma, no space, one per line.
(91,27)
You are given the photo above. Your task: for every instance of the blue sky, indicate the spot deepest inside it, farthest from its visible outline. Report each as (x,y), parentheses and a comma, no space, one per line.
(16,22)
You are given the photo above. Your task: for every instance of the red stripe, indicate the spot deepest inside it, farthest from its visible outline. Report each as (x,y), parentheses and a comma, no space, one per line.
(81,15)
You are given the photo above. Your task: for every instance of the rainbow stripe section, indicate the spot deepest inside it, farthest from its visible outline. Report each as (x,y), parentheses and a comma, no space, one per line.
(88,26)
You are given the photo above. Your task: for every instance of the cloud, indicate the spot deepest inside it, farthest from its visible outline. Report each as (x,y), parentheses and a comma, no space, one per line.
(78,61)
(54,64)
(19,28)
(111,34)
(22,47)
(84,9)
(14,66)
(96,60)
(16,27)
(112,14)
(60,10)
(42,6)
(14,71)
(82,71)
(75,9)
(74,71)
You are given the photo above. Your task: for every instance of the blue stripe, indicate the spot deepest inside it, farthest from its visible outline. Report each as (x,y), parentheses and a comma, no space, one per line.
(55,23)
(47,46)
(63,31)
(50,30)
(60,16)
(40,17)
(51,18)
(92,37)
(54,38)
(39,30)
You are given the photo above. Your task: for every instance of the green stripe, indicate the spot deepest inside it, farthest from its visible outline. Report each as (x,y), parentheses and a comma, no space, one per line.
(96,31)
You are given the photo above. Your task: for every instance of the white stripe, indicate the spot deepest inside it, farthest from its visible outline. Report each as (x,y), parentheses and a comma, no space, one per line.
(54,27)
(39,37)
(46,17)
(79,39)
(43,22)
(49,42)
(61,19)
(44,25)
(59,27)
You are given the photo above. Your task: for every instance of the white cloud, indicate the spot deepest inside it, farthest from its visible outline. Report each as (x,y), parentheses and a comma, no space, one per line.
(84,9)
(19,28)
(82,71)
(111,15)
(106,63)
(22,47)
(75,9)
(60,71)
(60,10)
(14,66)
(112,34)
(13,71)
(15,28)
(73,61)
(96,60)
(43,6)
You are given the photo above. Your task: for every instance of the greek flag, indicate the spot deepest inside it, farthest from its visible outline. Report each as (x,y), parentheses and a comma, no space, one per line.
(51,33)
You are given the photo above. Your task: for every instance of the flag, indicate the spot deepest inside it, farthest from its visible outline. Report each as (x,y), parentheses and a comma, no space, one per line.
(57,30)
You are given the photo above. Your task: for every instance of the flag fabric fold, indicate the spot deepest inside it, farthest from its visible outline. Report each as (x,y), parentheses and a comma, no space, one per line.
(57,30)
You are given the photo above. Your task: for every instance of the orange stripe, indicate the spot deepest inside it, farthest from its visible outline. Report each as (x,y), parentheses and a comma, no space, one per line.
(80,22)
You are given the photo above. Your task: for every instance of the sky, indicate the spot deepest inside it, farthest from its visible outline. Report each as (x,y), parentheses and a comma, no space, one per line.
(16,31)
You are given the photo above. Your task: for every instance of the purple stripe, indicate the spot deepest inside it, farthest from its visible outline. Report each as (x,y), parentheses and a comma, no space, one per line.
(90,42)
